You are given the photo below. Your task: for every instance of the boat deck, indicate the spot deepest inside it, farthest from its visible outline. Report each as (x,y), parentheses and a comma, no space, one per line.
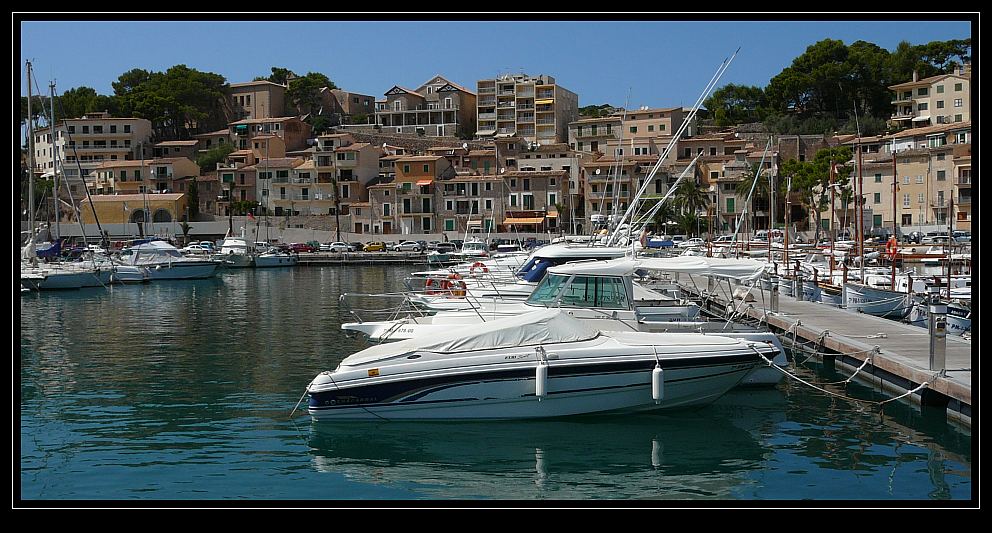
(903,359)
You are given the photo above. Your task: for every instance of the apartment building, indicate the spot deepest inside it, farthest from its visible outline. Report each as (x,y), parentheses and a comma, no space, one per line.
(258,99)
(83,144)
(437,108)
(943,99)
(292,130)
(416,195)
(534,108)
(644,131)
(187,149)
(342,107)
(211,140)
(352,166)
(471,203)
(137,177)
(273,183)
(237,177)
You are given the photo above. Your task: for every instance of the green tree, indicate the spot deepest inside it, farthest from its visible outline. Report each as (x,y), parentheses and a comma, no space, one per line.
(208,161)
(735,104)
(690,198)
(279,75)
(178,102)
(811,179)
(193,198)
(304,91)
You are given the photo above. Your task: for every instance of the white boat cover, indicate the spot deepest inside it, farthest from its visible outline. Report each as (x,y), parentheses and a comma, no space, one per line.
(544,326)
(742,269)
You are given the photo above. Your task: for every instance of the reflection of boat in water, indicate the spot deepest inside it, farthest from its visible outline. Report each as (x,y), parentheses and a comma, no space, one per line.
(677,455)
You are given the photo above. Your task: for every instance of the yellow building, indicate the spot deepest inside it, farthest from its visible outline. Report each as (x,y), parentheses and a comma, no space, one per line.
(129,208)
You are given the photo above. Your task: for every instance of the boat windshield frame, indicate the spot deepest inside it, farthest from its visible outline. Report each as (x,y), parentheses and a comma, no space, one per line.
(607,292)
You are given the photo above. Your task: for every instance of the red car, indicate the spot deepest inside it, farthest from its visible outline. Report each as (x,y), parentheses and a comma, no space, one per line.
(300,247)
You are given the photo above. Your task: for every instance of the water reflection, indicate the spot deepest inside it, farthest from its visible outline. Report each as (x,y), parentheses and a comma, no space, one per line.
(701,453)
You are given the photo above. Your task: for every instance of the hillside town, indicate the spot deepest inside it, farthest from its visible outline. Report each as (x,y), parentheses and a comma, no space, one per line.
(510,153)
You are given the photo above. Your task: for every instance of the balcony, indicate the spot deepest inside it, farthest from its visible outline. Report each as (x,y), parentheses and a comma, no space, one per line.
(506,105)
(487,116)
(903,115)
(487,102)
(545,122)
(964,200)
(964,180)
(586,133)
(96,148)
(487,90)
(525,94)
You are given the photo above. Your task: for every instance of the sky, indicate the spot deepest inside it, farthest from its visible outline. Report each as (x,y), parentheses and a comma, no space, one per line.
(659,63)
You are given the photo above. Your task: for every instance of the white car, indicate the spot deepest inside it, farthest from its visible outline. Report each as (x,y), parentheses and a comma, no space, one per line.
(196,249)
(408,246)
(691,243)
(339,247)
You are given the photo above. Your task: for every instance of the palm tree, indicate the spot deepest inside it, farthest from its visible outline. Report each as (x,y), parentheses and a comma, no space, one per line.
(691,198)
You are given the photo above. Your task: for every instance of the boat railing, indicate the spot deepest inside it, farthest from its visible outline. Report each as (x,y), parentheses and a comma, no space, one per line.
(370,307)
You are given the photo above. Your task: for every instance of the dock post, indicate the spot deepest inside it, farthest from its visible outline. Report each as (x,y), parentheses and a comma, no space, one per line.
(799,286)
(938,334)
(774,293)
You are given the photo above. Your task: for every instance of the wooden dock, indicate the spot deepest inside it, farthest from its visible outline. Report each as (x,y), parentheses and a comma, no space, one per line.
(901,362)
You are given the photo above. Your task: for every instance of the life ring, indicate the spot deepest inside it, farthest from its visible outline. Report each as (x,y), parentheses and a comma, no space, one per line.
(478,264)
(891,248)
(457,288)
(432,285)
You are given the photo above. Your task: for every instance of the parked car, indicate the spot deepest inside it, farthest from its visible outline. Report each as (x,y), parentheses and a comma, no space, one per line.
(356,246)
(301,247)
(678,238)
(724,239)
(408,246)
(938,240)
(340,247)
(374,246)
(196,249)
(458,243)
(962,236)
(695,241)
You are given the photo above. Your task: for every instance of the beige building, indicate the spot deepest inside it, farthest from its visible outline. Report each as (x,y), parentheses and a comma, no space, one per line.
(187,149)
(436,108)
(130,208)
(259,99)
(944,99)
(83,144)
(135,177)
(534,108)
(292,130)
(209,141)
(339,159)
(343,106)
(274,184)
(471,203)
(644,131)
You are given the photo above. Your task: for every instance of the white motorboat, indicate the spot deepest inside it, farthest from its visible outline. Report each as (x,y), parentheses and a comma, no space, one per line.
(604,295)
(541,364)
(165,261)
(274,258)
(234,253)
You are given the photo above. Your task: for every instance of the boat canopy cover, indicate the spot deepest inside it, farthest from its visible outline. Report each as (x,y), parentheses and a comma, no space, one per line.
(544,326)
(742,269)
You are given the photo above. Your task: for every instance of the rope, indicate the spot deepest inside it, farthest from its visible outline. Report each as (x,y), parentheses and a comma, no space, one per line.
(857,400)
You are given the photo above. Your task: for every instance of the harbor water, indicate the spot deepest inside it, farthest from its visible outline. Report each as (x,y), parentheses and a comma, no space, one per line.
(182,390)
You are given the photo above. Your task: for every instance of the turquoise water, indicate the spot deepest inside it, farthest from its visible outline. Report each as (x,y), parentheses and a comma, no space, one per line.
(182,391)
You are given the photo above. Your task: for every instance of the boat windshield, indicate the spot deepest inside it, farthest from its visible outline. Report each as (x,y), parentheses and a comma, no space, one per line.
(475,247)
(601,292)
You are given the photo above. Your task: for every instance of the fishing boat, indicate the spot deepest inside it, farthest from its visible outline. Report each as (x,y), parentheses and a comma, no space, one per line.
(958,317)
(541,364)
(876,301)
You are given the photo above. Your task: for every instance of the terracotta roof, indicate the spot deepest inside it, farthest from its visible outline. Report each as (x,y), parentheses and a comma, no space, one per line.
(420,158)
(928,81)
(651,110)
(937,128)
(535,173)
(261,120)
(280,162)
(609,118)
(481,153)
(353,147)
(178,143)
(218,132)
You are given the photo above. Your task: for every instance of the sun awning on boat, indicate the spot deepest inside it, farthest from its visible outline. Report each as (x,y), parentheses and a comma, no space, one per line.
(545,326)
(742,269)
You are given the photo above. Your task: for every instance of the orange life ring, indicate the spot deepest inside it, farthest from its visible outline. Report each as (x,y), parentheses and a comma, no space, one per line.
(431,286)
(891,247)
(458,289)
(478,264)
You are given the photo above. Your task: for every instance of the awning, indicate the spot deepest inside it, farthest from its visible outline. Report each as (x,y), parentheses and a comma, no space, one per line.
(537,220)
(921,118)
(485,132)
(474,223)
(552,214)
(545,101)
(424,182)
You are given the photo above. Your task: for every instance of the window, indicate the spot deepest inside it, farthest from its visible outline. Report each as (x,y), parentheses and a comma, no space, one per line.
(385,210)
(86,129)
(919,198)
(449,224)
(513,200)
(878,198)
(941,174)
(712,151)
(957,118)
(552,199)
(923,91)
(282,173)
(940,157)
(426,168)
(406,169)
(113,128)
(633,129)
(72,129)
(591,291)
(651,127)
(919,179)
(127,128)
(958,86)
(905,200)
(940,89)
(940,104)
(958,102)
(489,186)
(345,191)
(905,180)
(907,220)
(878,178)
(137,174)
(922,106)
(448,205)
(876,220)
(489,205)
(730,205)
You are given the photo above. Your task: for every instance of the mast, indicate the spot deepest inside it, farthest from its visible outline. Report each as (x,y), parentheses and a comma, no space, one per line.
(34,257)
(833,231)
(788,211)
(895,189)
(950,248)
(859,214)
(55,159)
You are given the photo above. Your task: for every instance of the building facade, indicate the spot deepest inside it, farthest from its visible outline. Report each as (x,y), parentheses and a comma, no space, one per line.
(536,109)
(436,108)
(944,99)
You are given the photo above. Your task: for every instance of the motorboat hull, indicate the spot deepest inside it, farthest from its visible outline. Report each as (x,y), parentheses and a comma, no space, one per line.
(271,261)
(507,391)
(877,302)
(233,260)
(130,274)
(182,270)
(958,320)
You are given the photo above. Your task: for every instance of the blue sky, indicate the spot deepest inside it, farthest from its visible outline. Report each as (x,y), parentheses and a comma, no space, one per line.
(662,64)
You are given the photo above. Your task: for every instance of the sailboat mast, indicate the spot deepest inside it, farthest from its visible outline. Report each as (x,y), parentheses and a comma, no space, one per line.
(30,160)
(859,215)
(55,161)
(895,189)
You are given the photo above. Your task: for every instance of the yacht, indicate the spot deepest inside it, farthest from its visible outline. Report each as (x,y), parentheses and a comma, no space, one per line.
(540,364)
(165,261)
(234,253)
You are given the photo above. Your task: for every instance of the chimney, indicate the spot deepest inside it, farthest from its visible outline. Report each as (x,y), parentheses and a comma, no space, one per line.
(916,75)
